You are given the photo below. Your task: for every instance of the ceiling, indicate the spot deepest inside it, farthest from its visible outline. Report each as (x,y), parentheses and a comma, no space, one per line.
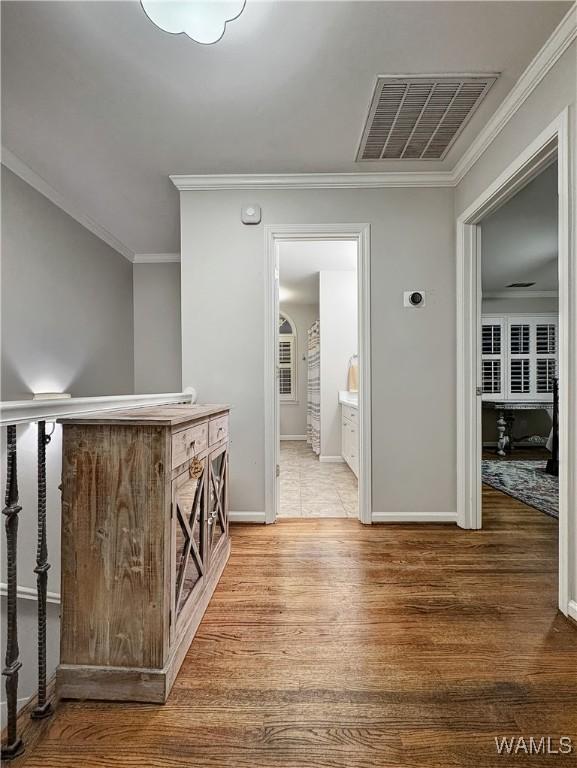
(520,240)
(301,262)
(103,105)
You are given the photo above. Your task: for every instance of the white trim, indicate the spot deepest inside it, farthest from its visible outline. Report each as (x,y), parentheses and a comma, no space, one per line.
(414,517)
(25,411)
(247,517)
(331,459)
(19,167)
(546,58)
(553,140)
(252,181)
(29,593)
(514,294)
(572,609)
(156,258)
(293,437)
(360,233)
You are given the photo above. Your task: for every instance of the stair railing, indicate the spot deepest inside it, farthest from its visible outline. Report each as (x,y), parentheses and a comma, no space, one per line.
(14,413)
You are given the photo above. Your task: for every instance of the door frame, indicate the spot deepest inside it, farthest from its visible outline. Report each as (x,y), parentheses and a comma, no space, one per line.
(551,144)
(360,234)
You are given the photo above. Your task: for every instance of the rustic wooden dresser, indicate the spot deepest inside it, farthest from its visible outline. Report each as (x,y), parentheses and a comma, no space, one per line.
(144,542)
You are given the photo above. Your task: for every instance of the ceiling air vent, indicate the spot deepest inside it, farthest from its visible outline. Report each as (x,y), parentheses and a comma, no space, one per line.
(419,117)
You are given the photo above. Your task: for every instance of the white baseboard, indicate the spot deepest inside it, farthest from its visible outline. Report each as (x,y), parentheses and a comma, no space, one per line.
(414,517)
(247,517)
(572,609)
(331,459)
(293,437)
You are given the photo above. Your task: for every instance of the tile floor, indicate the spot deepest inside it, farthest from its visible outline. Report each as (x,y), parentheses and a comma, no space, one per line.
(311,489)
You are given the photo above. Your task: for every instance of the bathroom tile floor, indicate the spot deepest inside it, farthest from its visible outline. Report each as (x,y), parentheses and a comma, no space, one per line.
(311,489)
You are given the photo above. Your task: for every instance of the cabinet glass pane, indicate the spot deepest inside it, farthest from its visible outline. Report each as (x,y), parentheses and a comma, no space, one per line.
(546,339)
(217,521)
(520,382)
(545,375)
(188,522)
(491,376)
(520,339)
(491,340)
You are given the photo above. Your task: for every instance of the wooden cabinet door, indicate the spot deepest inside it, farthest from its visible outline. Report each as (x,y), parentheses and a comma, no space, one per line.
(189,496)
(217,523)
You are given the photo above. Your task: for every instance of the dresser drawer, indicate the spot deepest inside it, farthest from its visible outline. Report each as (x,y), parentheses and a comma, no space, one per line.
(189,443)
(218,429)
(351,413)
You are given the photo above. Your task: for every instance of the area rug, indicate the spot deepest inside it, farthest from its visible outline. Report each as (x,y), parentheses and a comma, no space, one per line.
(524,480)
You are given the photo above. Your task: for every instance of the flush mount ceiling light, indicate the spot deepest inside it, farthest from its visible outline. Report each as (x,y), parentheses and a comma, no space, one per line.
(202,20)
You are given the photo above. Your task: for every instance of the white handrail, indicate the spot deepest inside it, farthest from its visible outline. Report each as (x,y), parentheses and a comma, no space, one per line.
(26,411)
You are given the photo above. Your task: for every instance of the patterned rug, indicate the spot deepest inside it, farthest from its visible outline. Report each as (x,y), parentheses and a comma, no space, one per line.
(524,480)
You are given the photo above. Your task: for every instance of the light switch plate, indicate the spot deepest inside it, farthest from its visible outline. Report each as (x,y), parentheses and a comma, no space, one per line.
(250,214)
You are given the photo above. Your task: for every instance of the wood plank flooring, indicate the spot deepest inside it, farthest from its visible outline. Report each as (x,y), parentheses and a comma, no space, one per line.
(332,645)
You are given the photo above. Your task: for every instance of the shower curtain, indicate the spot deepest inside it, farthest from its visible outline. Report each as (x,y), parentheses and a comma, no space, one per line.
(314,388)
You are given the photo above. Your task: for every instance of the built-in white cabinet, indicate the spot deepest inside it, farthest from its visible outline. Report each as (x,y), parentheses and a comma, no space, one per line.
(350,437)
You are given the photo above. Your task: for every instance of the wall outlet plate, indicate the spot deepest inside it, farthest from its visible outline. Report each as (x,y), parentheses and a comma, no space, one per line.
(414,299)
(250,214)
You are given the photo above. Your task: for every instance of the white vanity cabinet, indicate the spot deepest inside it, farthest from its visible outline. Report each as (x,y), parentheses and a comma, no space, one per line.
(350,436)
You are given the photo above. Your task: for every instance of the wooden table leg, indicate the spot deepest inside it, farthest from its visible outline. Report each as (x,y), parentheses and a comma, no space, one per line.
(510,420)
(501,431)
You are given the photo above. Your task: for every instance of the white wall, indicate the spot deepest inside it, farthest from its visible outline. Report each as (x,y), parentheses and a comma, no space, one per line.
(515,306)
(413,352)
(293,416)
(157,344)
(67,318)
(555,92)
(67,325)
(339,342)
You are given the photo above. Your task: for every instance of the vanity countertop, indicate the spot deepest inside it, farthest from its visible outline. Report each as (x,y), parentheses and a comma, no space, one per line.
(349,398)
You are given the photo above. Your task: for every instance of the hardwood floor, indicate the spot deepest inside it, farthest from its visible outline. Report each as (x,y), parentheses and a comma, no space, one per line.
(332,645)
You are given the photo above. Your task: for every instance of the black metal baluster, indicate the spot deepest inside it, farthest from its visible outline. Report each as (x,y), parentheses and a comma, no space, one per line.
(43,707)
(14,745)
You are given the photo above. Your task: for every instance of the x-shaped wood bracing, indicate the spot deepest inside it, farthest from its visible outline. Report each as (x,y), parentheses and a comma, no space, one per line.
(219,488)
(190,547)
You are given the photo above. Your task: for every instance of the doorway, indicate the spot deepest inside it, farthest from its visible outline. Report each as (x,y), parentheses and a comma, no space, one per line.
(320,437)
(550,146)
(519,364)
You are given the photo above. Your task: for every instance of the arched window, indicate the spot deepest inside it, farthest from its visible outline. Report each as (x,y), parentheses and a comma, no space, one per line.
(287,359)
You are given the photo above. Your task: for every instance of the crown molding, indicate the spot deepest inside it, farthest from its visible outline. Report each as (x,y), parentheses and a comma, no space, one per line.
(546,58)
(550,53)
(234,181)
(156,258)
(19,167)
(514,294)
